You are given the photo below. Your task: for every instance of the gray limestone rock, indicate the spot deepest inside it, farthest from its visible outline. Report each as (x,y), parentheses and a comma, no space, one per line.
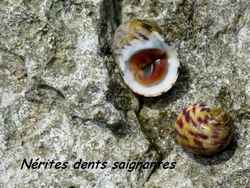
(62,96)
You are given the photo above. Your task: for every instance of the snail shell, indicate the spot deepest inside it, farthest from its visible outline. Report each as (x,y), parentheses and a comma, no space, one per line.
(148,64)
(203,130)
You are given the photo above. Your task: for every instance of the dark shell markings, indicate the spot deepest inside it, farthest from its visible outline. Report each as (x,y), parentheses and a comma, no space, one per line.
(203,130)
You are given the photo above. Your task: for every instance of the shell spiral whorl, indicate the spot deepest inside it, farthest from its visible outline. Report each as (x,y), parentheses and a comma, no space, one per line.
(203,130)
(148,64)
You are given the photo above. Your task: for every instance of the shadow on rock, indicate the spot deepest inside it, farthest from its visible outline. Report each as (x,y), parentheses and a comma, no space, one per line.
(119,129)
(110,18)
(218,158)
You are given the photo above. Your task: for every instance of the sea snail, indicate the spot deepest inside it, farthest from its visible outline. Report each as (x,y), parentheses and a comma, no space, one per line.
(148,64)
(203,130)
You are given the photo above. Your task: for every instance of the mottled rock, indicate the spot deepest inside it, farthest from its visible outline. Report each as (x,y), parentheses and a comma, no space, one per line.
(212,41)
(62,96)
(58,100)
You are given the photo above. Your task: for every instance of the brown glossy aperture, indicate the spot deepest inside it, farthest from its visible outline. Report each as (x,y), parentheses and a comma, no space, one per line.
(149,66)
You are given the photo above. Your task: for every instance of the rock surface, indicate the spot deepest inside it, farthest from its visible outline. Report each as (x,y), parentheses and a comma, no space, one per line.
(62,98)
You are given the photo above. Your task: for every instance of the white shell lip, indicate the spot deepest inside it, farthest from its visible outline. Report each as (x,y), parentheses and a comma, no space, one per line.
(155,42)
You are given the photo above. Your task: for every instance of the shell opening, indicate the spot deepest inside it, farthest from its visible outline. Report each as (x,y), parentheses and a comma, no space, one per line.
(149,66)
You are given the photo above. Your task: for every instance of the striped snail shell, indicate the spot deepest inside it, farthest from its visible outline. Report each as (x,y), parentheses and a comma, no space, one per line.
(203,130)
(148,64)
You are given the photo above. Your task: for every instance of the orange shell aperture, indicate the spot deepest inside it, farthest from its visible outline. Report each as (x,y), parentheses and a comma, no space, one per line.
(153,59)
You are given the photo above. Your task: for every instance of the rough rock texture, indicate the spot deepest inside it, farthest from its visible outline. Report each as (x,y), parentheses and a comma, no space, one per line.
(62,98)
